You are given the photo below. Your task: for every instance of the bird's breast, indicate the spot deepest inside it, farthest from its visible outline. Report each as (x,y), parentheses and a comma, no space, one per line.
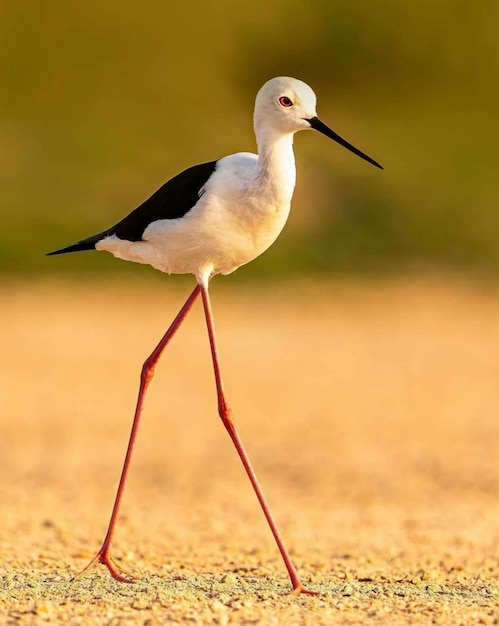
(242,211)
(243,228)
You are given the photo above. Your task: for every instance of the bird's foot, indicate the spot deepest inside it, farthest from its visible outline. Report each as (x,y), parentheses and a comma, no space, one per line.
(299,588)
(118,572)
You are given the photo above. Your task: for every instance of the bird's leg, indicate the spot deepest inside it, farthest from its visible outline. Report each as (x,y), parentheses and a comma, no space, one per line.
(225,413)
(147,373)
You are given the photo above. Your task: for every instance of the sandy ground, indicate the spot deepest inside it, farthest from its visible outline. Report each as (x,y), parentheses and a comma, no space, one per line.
(370,412)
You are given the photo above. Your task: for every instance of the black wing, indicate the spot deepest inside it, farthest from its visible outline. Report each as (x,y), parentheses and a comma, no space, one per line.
(171,201)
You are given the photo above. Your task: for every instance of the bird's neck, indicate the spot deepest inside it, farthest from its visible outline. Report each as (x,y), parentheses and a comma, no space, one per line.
(276,168)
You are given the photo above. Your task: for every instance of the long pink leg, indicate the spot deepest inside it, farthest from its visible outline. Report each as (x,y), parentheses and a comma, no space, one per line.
(103,555)
(225,413)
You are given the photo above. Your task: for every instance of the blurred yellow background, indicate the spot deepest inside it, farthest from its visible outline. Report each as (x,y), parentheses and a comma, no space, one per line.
(368,407)
(104,101)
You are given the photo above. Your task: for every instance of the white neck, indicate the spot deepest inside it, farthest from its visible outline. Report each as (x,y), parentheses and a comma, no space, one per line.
(276,168)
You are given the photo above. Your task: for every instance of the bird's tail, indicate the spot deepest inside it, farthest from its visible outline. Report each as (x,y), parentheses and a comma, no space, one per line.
(84,244)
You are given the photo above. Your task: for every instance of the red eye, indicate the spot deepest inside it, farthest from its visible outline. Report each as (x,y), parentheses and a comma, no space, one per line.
(285,101)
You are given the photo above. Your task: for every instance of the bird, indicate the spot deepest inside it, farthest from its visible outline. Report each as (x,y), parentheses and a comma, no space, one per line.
(211,219)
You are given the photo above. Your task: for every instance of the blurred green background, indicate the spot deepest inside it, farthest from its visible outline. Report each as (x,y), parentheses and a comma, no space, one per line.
(101,102)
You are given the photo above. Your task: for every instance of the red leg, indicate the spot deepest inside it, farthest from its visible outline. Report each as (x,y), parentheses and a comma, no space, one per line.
(103,555)
(225,413)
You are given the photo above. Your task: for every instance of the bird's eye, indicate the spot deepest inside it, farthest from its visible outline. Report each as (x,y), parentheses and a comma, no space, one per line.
(284,101)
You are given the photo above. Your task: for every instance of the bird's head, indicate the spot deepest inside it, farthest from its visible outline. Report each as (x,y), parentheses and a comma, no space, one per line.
(286,105)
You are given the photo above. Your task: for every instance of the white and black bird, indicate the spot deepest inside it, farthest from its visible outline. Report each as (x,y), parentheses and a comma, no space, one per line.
(211,219)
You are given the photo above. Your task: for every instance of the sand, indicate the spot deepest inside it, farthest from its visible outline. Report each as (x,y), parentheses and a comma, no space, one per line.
(370,411)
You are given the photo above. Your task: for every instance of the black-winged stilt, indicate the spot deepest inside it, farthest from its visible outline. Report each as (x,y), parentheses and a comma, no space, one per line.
(211,219)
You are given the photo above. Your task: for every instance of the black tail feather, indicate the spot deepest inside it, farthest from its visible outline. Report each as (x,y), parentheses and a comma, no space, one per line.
(76,247)
(84,244)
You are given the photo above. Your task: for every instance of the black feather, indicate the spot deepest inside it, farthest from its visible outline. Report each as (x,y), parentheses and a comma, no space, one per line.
(84,244)
(171,201)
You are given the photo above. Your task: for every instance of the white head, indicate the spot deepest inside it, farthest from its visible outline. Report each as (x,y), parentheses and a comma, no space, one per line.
(286,105)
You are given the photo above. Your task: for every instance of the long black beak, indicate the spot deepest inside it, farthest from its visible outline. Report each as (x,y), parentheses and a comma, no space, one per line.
(316,124)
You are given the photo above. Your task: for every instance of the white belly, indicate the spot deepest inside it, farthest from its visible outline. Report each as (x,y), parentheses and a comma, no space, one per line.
(211,235)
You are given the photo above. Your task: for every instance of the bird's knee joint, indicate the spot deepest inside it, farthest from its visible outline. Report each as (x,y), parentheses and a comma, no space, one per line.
(226,416)
(147,373)
(224,411)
